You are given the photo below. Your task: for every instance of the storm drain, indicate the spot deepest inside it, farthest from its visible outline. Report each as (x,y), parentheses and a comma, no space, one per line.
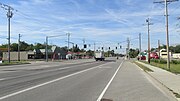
(103,99)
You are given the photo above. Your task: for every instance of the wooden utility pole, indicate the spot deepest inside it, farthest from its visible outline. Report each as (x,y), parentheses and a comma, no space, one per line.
(167,28)
(149,49)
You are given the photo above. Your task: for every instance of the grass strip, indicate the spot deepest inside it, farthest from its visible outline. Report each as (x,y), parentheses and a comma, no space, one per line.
(143,67)
(174,68)
(5,63)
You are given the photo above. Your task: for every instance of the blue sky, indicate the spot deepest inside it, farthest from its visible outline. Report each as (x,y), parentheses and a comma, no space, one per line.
(106,22)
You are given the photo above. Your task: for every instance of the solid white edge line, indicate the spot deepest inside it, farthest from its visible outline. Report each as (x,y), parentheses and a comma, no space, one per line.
(105,89)
(52,81)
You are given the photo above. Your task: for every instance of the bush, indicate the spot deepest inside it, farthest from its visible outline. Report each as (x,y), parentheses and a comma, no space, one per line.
(161,61)
(175,62)
(155,60)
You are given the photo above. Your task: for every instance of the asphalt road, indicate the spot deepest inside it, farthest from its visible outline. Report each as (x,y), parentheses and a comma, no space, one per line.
(81,81)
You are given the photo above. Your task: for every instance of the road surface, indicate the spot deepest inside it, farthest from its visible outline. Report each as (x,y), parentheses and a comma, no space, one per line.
(118,80)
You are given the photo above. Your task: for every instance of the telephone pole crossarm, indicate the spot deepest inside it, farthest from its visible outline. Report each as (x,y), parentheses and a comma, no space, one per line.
(164,1)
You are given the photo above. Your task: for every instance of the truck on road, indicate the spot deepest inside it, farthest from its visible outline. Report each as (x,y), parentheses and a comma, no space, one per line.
(99,55)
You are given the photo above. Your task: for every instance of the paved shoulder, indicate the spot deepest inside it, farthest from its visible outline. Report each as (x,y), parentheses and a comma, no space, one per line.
(132,84)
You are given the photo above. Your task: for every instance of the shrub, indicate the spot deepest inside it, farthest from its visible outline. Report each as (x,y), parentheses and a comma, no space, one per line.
(155,60)
(162,61)
(175,62)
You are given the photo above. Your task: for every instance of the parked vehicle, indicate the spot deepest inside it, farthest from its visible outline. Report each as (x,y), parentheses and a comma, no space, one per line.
(99,55)
(154,55)
(142,56)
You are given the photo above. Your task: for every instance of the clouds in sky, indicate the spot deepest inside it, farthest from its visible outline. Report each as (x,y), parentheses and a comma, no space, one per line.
(94,20)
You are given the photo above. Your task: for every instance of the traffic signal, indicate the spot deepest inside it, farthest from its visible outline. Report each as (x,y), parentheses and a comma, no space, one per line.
(120,47)
(116,47)
(109,48)
(102,48)
(85,46)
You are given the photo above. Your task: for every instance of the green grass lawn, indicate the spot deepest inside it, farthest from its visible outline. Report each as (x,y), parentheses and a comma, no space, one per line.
(175,68)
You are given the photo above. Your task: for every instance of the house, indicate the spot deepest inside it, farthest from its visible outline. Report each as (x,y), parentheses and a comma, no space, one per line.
(163,54)
(53,53)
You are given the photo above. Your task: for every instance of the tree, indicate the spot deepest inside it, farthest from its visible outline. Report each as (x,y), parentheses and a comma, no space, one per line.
(4,46)
(133,53)
(39,46)
(153,49)
(163,47)
(14,47)
(90,53)
(76,49)
(177,49)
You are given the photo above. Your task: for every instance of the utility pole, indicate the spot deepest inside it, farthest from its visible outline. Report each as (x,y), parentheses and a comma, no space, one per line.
(167,29)
(139,42)
(9,15)
(128,47)
(9,10)
(159,48)
(94,46)
(46,48)
(68,34)
(19,40)
(148,23)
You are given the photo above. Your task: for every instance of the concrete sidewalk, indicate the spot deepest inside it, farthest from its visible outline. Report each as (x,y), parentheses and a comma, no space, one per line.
(168,79)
